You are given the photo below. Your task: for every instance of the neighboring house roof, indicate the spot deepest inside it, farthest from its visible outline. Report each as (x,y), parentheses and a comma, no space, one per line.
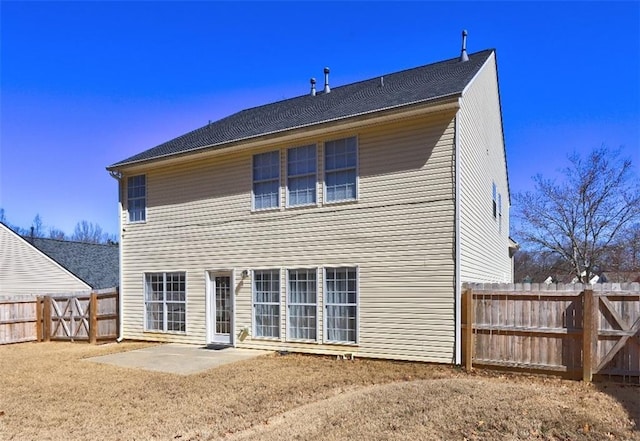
(430,83)
(25,270)
(95,264)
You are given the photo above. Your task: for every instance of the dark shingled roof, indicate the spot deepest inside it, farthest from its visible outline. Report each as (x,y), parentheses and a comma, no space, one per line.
(422,84)
(95,264)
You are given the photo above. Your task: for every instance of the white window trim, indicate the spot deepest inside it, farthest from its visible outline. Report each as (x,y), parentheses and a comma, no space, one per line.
(164,311)
(324,304)
(318,338)
(146,199)
(287,176)
(324,173)
(253,303)
(253,196)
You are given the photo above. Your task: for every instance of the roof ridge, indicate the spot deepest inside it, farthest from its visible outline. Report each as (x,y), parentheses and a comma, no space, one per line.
(336,88)
(52,239)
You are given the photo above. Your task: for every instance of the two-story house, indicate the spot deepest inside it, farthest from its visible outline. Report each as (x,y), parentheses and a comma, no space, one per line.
(341,221)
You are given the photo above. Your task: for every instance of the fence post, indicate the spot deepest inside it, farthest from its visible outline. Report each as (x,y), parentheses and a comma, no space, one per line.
(38,318)
(46,318)
(118,318)
(93,317)
(467,296)
(589,333)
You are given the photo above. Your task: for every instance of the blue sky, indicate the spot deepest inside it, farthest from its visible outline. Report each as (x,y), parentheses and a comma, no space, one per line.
(86,84)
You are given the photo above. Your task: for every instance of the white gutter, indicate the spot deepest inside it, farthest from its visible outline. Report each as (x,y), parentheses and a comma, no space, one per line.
(458,286)
(435,104)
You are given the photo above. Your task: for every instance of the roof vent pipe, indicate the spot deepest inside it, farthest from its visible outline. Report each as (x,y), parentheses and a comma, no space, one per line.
(313,86)
(463,52)
(326,80)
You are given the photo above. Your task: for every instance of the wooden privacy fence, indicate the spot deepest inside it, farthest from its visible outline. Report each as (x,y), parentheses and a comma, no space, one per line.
(88,317)
(579,330)
(18,319)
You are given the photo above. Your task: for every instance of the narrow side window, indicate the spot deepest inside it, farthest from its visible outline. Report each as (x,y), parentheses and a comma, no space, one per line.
(137,198)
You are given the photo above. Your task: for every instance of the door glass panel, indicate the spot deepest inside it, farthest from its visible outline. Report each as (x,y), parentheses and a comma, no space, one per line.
(223,304)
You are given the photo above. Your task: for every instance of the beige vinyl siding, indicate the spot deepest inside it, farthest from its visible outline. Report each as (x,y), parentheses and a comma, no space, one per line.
(25,270)
(484,249)
(399,233)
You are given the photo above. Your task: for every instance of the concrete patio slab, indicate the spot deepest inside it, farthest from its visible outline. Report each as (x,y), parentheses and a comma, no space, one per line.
(177,358)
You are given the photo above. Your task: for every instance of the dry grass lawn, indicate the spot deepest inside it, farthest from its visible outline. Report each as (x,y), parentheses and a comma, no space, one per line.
(46,392)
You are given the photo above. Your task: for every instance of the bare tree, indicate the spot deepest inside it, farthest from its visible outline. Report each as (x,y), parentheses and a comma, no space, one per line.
(37,227)
(579,218)
(55,233)
(538,266)
(88,232)
(623,257)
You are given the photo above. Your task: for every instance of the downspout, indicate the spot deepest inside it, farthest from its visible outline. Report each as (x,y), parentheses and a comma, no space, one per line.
(458,285)
(118,177)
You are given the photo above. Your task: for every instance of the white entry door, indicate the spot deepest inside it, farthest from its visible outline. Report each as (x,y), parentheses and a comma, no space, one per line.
(221,293)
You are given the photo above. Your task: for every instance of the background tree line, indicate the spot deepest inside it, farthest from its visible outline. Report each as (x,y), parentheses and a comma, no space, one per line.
(585,225)
(84,231)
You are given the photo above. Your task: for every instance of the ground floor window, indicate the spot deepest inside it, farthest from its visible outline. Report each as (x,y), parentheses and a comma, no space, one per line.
(302,304)
(165,302)
(341,303)
(266,303)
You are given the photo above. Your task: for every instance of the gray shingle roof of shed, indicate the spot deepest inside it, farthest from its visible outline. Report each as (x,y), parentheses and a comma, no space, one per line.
(95,264)
(422,84)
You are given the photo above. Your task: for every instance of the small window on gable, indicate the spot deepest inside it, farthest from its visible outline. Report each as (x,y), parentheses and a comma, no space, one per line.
(137,198)
(301,176)
(500,212)
(495,201)
(266,180)
(340,169)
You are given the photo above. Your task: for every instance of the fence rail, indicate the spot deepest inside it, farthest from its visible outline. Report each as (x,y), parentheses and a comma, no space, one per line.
(89,317)
(581,331)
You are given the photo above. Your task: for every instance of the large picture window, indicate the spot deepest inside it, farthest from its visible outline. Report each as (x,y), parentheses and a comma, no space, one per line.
(266,303)
(301,175)
(341,303)
(266,180)
(137,198)
(302,304)
(340,167)
(165,302)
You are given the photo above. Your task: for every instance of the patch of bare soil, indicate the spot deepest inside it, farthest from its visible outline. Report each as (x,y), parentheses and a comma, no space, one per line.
(454,409)
(47,393)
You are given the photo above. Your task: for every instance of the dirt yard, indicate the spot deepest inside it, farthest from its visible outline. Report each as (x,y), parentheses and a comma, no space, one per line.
(47,392)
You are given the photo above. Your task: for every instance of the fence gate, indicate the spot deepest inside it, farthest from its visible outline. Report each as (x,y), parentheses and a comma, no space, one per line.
(70,318)
(616,342)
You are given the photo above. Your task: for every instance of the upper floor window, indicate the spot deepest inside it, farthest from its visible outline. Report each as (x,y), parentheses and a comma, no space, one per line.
(137,198)
(340,166)
(266,180)
(301,175)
